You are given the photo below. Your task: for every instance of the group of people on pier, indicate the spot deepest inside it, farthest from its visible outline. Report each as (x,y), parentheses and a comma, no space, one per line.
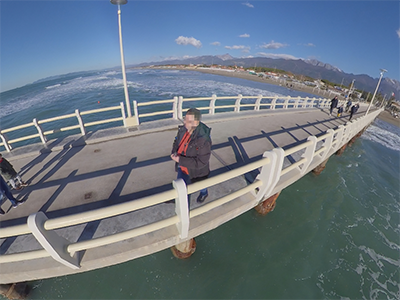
(334,104)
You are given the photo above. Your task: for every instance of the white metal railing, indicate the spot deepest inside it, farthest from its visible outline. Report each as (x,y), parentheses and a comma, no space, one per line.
(273,177)
(174,107)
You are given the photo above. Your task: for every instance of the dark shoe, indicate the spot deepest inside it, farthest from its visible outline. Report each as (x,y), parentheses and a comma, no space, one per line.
(201,198)
(18,203)
(2,212)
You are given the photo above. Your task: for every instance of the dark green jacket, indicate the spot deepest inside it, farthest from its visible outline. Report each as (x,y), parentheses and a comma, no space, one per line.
(198,152)
(7,170)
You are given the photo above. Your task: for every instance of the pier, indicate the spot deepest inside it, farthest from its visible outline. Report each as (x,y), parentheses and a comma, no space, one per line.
(101,198)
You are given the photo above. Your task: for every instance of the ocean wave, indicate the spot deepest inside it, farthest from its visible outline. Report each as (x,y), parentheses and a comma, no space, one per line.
(52,86)
(382,136)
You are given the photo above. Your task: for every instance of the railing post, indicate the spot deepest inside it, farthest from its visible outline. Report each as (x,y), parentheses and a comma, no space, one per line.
(258,102)
(182,207)
(298,101)
(271,173)
(273,102)
(54,244)
(135,111)
(5,142)
(180,103)
(339,137)
(40,131)
(309,154)
(212,104)
(175,108)
(313,101)
(305,102)
(286,103)
(328,143)
(237,103)
(123,113)
(80,121)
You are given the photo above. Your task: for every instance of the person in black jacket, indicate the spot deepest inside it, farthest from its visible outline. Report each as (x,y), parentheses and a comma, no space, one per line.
(334,104)
(191,150)
(8,172)
(353,110)
(5,191)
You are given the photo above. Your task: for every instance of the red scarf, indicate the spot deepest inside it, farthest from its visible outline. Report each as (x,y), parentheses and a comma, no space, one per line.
(182,149)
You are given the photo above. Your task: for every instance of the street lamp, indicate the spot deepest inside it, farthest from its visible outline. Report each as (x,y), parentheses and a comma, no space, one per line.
(129,121)
(377,86)
(351,86)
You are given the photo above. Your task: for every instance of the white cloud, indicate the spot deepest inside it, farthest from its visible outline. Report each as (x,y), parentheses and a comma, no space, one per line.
(244,35)
(273,55)
(398,33)
(216,44)
(182,40)
(273,45)
(248,4)
(245,49)
(309,45)
(176,57)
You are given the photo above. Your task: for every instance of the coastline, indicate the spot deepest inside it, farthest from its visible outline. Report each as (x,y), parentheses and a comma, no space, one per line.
(247,76)
(384,116)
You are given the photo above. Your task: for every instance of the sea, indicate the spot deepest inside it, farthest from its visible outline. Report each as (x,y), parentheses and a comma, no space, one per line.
(332,236)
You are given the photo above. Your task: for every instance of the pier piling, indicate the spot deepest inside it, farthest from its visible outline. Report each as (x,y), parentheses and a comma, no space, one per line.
(185,249)
(267,205)
(320,167)
(14,290)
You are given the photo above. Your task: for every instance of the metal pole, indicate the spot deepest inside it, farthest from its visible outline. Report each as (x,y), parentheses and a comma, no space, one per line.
(128,105)
(377,86)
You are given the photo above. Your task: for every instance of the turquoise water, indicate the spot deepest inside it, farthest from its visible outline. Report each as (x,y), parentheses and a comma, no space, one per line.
(332,236)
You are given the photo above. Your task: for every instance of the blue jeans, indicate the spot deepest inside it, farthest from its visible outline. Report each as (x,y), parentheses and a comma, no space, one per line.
(6,191)
(186,179)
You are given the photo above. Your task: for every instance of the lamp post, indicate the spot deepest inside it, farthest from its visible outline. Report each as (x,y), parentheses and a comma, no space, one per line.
(351,86)
(129,121)
(377,86)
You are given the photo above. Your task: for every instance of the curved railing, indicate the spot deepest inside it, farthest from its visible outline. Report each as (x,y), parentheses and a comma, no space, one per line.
(160,109)
(275,173)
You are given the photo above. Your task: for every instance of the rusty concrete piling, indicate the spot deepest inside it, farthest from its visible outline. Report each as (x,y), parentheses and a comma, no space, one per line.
(267,205)
(185,249)
(15,290)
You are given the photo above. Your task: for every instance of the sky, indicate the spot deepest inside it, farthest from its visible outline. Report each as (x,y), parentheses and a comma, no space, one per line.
(39,39)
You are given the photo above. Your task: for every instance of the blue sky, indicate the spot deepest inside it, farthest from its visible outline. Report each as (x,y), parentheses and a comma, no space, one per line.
(46,38)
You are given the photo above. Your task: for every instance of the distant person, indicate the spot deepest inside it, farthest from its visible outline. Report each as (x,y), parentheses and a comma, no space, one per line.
(191,151)
(334,104)
(348,105)
(339,111)
(9,174)
(353,110)
(5,191)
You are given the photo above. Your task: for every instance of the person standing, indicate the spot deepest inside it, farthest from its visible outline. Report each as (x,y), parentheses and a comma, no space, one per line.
(191,151)
(334,104)
(5,190)
(8,172)
(348,105)
(353,110)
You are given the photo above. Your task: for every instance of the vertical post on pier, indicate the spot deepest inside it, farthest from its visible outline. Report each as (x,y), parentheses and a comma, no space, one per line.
(180,102)
(175,108)
(40,131)
(212,104)
(5,142)
(80,121)
(258,102)
(135,110)
(273,102)
(237,103)
(123,113)
(184,249)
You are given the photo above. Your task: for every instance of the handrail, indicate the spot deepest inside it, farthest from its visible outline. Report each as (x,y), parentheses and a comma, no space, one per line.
(261,183)
(176,110)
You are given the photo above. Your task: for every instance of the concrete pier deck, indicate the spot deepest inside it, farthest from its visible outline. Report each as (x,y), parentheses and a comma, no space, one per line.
(113,166)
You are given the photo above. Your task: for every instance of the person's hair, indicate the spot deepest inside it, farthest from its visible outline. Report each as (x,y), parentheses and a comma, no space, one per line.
(194,112)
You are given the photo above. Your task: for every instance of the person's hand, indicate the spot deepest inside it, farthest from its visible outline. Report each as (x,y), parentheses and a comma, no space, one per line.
(175,158)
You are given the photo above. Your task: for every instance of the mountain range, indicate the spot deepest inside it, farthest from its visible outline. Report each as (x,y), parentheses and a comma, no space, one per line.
(310,67)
